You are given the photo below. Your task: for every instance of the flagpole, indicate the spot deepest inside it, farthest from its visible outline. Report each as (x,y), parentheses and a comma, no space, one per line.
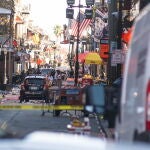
(77,48)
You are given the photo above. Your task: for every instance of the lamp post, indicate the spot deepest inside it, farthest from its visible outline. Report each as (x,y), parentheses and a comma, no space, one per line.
(119,40)
(5,76)
(69,14)
(54,48)
(77,48)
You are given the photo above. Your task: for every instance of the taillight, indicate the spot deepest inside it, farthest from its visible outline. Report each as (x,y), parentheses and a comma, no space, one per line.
(148,107)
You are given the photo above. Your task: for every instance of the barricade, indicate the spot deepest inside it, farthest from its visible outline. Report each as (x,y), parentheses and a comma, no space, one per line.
(66,96)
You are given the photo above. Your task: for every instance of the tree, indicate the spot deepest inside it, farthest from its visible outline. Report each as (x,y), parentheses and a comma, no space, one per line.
(57,31)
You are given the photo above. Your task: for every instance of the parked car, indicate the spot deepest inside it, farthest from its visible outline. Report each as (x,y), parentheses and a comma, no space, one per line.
(34,87)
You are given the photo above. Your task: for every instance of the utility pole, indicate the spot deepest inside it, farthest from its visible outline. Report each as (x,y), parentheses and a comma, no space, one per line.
(77,48)
(119,41)
(69,14)
(112,27)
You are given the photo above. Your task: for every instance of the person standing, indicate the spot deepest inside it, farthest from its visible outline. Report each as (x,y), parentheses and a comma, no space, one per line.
(50,77)
(59,79)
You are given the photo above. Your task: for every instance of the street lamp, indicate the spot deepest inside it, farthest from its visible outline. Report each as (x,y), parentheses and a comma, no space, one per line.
(54,48)
(5,76)
(88,15)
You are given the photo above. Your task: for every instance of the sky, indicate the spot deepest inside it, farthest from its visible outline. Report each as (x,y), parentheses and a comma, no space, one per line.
(48,13)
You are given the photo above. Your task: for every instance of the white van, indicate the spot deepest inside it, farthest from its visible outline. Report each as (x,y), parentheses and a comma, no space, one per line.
(134,119)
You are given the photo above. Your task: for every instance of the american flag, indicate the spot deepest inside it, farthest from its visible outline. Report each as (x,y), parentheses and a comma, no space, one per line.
(74,27)
(83,24)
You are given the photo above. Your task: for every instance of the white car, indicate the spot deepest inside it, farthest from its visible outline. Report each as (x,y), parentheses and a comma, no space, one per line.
(133,122)
(42,140)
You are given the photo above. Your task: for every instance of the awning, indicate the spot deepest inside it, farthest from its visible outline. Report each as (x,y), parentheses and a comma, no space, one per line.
(93,58)
(81,57)
(5,11)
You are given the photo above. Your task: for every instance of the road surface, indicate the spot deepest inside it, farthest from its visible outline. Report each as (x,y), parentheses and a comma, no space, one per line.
(22,122)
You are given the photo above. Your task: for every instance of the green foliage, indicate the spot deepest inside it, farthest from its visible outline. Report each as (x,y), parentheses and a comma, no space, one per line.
(57,30)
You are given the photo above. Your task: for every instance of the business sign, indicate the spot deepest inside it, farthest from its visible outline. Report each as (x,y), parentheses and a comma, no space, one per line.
(113,46)
(104,48)
(104,41)
(117,57)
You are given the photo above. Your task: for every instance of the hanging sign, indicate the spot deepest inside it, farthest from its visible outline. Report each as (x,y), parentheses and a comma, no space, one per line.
(104,48)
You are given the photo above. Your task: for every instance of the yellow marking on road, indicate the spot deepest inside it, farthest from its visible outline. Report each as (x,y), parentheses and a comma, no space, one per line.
(40,107)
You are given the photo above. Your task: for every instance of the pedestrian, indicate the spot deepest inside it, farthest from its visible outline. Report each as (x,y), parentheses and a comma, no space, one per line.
(51,79)
(59,79)
(55,77)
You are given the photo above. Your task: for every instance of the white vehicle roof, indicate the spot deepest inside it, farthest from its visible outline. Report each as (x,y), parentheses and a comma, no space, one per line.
(56,141)
(35,76)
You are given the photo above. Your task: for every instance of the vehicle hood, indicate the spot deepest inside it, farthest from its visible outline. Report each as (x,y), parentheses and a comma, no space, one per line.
(41,140)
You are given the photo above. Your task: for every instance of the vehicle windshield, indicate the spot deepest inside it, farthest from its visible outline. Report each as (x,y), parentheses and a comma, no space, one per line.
(62,67)
(37,81)
(46,71)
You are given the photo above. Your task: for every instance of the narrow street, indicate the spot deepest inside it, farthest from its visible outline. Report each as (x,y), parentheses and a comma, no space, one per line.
(22,122)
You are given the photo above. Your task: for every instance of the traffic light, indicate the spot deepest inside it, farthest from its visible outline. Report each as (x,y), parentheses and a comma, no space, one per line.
(88,14)
(69,13)
(89,2)
(70,2)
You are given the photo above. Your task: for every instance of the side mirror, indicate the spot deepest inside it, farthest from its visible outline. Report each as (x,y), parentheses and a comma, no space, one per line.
(95,99)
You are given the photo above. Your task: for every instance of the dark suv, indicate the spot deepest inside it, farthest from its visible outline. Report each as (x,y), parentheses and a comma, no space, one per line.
(34,87)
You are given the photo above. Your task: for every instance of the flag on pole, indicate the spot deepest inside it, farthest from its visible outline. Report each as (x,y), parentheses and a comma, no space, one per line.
(75,22)
(74,27)
(85,23)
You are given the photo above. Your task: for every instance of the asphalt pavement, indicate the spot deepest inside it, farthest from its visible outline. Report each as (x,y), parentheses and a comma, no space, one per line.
(56,124)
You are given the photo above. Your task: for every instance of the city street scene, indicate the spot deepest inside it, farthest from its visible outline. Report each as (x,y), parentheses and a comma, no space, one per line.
(74,74)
